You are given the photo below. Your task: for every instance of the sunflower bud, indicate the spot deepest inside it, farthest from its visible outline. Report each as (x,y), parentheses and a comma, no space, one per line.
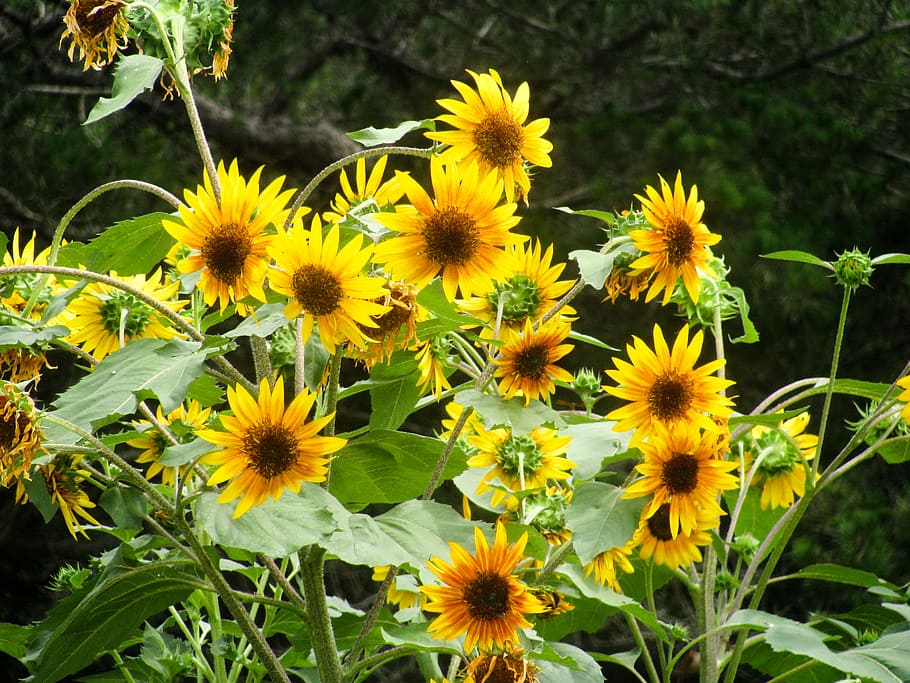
(853,268)
(518,297)
(587,385)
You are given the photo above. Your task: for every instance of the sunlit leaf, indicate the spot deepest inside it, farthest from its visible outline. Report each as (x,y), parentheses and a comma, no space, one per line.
(446,315)
(799,257)
(126,506)
(570,665)
(394,400)
(891,258)
(134,75)
(601,519)
(371,137)
(594,266)
(10,336)
(130,247)
(513,412)
(266,319)
(604,216)
(593,445)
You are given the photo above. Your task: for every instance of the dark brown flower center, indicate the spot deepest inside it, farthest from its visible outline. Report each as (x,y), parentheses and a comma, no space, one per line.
(680,473)
(316,289)
(532,361)
(13,426)
(93,18)
(451,237)
(271,449)
(680,241)
(487,596)
(659,523)
(503,668)
(225,251)
(498,139)
(670,397)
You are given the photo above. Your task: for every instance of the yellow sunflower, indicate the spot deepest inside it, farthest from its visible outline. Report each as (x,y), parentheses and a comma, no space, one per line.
(20,435)
(64,478)
(664,385)
(326,285)
(527,365)
(509,666)
(655,542)
(904,397)
(182,422)
(481,597)
(677,245)
(267,447)
(680,468)
(554,603)
(14,298)
(781,453)
(605,565)
(526,290)
(228,239)
(490,130)
(368,196)
(459,233)
(97,28)
(432,357)
(521,463)
(104,318)
(398,594)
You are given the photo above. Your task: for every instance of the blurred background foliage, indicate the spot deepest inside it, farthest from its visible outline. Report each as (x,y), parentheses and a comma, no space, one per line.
(791,116)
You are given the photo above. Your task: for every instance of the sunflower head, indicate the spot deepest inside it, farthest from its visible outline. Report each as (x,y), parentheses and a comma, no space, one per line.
(368,195)
(433,357)
(97,29)
(20,365)
(656,542)
(394,329)
(490,129)
(604,566)
(527,366)
(853,268)
(181,425)
(64,478)
(554,603)
(782,454)
(20,435)
(508,666)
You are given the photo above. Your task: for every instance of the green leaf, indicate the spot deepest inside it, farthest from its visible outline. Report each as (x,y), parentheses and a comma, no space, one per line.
(604,216)
(895,451)
(371,137)
(181,454)
(131,247)
(12,639)
(593,341)
(277,528)
(839,574)
(752,519)
(206,390)
(594,266)
(600,518)
(885,259)
(143,368)
(765,419)
(571,665)
(110,613)
(126,506)
(388,467)
(513,412)
(394,400)
(593,445)
(134,75)
(39,496)
(750,333)
(267,319)
(446,315)
(12,336)
(799,257)
(416,636)
(624,659)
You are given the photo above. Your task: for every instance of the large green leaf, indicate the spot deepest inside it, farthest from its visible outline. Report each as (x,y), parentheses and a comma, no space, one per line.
(799,257)
(267,319)
(601,519)
(416,637)
(593,445)
(446,316)
(142,369)
(11,335)
(131,247)
(392,401)
(110,613)
(134,75)
(594,266)
(12,639)
(565,663)
(388,467)
(277,528)
(513,412)
(839,574)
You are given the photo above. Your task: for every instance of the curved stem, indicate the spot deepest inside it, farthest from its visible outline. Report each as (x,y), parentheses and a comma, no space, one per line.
(829,392)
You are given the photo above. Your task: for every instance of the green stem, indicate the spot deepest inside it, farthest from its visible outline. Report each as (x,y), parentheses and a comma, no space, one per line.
(350,660)
(829,391)
(261,363)
(322,637)
(118,660)
(202,666)
(643,646)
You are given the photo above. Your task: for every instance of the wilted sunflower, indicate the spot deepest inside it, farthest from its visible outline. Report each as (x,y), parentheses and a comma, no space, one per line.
(526,290)
(677,245)
(267,447)
(19,365)
(369,195)
(20,435)
(491,131)
(459,234)
(655,542)
(527,365)
(64,478)
(394,329)
(605,564)
(482,598)
(665,386)
(228,238)
(326,285)
(781,453)
(182,423)
(521,463)
(509,666)
(432,357)
(680,468)
(104,318)
(97,28)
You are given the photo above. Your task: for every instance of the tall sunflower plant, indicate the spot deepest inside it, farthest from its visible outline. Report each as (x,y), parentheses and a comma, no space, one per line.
(328,443)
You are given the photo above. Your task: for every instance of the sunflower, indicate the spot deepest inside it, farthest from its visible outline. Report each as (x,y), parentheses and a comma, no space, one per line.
(400,595)
(459,234)
(473,425)
(655,542)
(227,237)
(104,318)
(509,666)
(267,447)
(97,28)
(64,478)
(521,463)
(604,566)
(677,245)
(904,396)
(182,422)
(481,598)
(554,603)
(781,453)
(665,386)
(222,54)
(490,130)
(528,289)
(394,329)
(432,357)
(369,195)
(527,365)
(18,289)
(680,468)
(20,435)
(22,365)
(325,285)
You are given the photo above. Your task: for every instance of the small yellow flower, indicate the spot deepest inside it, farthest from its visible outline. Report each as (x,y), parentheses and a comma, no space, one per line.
(528,363)
(780,453)
(397,595)
(368,195)
(605,565)
(182,423)
(432,357)
(64,478)
(904,397)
